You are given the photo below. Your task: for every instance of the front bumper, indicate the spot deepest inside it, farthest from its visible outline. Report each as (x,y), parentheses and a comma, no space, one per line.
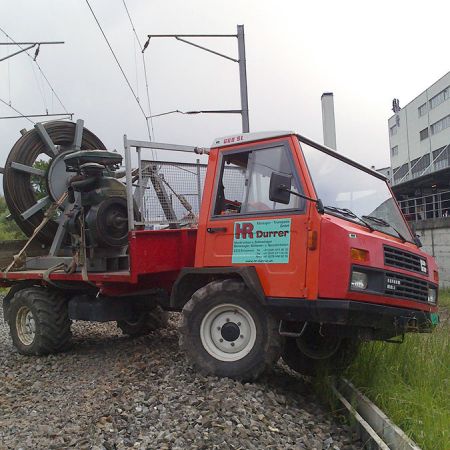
(383,321)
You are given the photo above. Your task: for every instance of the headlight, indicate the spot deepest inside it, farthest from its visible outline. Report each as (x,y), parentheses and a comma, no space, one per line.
(359,280)
(432,294)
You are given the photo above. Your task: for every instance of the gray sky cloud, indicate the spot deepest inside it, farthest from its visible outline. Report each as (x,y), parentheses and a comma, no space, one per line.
(366,53)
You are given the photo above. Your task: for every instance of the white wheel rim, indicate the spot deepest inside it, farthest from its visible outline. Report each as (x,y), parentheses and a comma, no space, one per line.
(228,332)
(25,325)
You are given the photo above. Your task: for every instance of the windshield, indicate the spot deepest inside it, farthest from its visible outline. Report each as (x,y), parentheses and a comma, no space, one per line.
(354,194)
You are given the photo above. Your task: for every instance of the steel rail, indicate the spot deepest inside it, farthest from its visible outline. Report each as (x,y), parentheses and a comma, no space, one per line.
(374,427)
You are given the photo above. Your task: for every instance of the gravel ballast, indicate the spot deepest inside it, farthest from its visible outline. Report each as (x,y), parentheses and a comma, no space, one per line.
(113,392)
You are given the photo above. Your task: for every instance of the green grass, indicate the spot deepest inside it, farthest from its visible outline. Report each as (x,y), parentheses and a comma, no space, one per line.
(411,382)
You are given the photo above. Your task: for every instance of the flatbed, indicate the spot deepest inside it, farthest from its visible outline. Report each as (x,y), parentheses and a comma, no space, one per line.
(152,253)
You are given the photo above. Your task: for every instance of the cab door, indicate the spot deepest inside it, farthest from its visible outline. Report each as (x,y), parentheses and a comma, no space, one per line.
(244,227)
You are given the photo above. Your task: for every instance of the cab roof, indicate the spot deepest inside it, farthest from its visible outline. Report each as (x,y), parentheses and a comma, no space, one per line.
(234,139)
(241,138)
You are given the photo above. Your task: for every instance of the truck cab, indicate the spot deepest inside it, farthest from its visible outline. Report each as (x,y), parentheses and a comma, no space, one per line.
(318,242)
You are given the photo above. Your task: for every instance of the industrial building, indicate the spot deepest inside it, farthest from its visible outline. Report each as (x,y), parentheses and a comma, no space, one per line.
(419,138)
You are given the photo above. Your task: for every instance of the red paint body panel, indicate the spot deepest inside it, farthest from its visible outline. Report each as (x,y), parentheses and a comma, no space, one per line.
(161,251)
(335,262)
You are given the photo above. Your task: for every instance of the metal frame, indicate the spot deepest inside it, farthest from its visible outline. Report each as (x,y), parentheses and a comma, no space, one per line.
(30,46)
(242,69)
(139,145)
(435,205)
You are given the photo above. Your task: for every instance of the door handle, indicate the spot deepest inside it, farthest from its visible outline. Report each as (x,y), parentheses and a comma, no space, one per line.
(216,230)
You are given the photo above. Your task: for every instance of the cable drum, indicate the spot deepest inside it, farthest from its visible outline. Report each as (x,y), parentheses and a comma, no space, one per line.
(20,174)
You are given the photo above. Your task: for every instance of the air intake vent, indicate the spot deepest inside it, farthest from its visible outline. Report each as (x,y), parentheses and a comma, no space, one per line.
(395,257)
(402,286)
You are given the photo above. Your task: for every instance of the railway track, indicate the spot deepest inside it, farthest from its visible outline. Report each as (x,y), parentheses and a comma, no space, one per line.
(375,430)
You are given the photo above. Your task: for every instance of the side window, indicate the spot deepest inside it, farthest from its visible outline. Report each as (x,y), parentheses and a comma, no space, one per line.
(243,186)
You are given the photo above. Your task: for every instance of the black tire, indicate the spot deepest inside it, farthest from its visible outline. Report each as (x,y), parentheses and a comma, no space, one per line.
(260,352)
(317,360)
(48,309)
(147,322)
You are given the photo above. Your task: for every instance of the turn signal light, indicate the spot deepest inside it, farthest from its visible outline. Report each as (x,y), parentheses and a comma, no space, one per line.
(436,276)
(359,254)
(312,240)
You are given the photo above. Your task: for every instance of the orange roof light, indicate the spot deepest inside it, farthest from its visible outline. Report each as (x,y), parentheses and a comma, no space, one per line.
(358,254)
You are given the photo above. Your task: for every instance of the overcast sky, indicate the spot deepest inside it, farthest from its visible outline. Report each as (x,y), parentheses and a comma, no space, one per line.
(367,53)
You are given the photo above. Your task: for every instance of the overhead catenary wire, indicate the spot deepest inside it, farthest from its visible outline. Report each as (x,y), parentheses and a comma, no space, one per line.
(150,116)
(17,111)
(39,85)
(40,70)
(206,111)
(120,67)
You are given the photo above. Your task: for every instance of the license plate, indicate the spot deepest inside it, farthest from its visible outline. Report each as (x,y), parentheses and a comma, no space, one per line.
(434,318)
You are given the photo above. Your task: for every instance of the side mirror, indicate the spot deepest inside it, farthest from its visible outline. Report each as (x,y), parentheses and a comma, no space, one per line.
(280,185)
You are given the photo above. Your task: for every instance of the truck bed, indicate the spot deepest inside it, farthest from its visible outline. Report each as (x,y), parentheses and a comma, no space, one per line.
(153,254)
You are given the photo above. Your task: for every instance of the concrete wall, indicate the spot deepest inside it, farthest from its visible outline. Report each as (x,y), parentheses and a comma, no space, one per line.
(435,237)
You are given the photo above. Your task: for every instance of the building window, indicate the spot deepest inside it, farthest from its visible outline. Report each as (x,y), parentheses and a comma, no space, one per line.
(393,130)
(422,109)
(440,125)
(394,151)
(424,134)
(419,165)
(441,158)
(439,98)
(400,173)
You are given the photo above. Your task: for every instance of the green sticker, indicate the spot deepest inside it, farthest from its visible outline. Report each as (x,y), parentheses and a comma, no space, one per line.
(262,241)
(434,318)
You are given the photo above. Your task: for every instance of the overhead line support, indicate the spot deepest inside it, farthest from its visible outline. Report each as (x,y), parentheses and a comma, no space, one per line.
(30,46)
(242,70)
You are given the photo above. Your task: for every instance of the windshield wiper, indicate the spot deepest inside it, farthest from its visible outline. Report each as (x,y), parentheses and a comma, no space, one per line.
(350,213)
(344,211)
(377,220)
(385,223)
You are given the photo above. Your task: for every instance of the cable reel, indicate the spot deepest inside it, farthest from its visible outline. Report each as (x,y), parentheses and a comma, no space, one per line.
(35,173)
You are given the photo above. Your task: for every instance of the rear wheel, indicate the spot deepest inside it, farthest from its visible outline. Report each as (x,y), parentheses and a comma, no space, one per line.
(147,322)
(38,321)
(225,332)
(313,353)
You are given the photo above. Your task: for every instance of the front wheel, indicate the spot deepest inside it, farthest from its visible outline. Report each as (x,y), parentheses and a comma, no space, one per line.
(38,321)
(314,353)
(225,332)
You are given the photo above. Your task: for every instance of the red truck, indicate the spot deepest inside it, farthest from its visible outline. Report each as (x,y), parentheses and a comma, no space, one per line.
(308,256)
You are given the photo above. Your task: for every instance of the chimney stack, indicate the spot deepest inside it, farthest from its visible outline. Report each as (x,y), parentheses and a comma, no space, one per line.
(328,122)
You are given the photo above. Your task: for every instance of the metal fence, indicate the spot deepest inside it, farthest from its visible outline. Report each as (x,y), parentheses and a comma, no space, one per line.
(421,166)
(170,193)
(426,207)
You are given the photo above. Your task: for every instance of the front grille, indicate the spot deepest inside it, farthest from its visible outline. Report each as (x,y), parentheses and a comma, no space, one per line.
(402,286)
(404,260)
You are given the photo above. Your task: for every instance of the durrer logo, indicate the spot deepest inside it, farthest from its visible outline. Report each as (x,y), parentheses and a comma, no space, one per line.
(246,230)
